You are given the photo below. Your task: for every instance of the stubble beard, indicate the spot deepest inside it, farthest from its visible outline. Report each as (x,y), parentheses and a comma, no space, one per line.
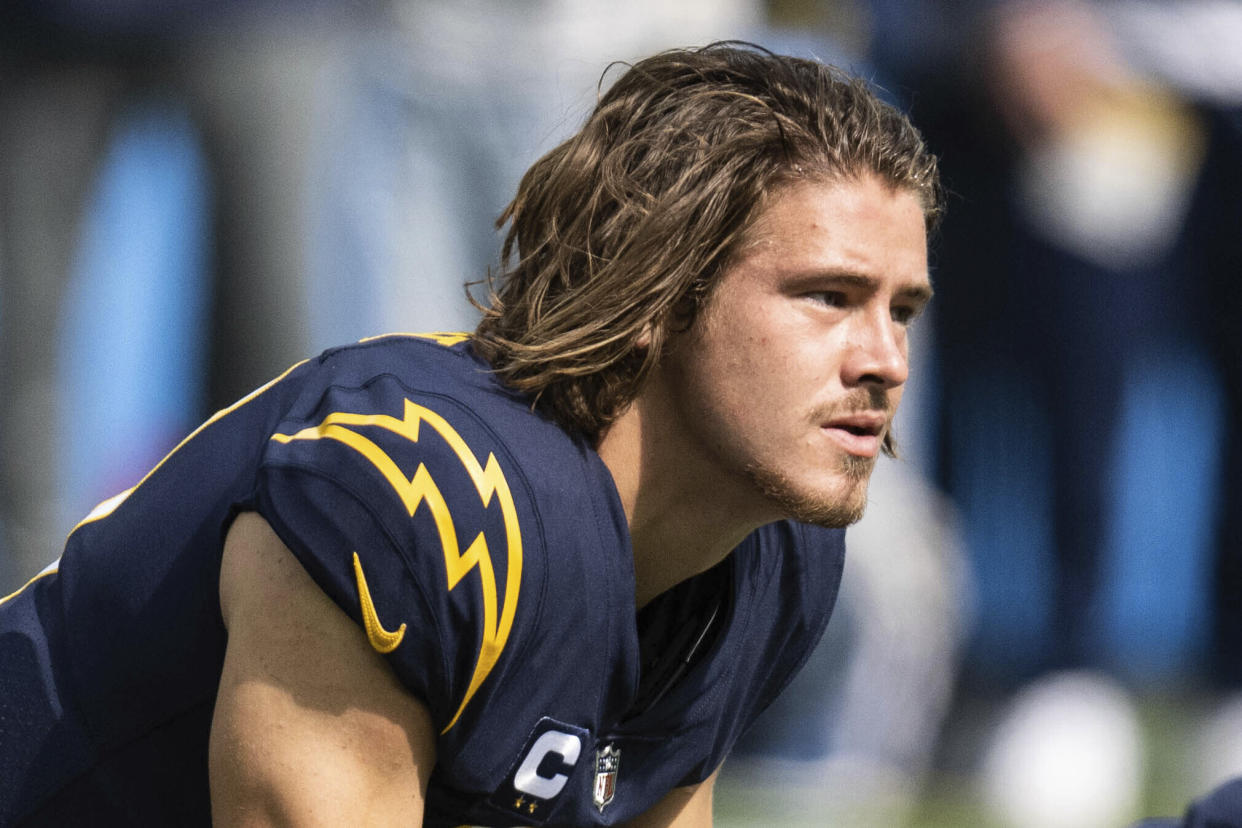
(829,511)
(837,509)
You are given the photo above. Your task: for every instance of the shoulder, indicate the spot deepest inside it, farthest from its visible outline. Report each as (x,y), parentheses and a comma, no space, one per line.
(401,383)
(405,423)
(440,360)
(413,436)
(412,487)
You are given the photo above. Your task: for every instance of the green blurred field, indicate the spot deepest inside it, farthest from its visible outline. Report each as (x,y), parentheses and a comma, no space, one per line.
(950,799)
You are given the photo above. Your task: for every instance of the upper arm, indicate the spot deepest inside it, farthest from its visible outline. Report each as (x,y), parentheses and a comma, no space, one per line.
(310,726)
(688,807)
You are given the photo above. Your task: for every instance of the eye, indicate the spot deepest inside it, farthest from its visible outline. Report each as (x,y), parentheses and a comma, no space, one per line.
(831,298)
(905,314)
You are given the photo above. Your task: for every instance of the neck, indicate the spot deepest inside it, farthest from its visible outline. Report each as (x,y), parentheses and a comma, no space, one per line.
(681,515)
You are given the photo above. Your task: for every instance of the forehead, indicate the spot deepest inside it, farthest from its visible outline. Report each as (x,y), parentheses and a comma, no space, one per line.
(858,225)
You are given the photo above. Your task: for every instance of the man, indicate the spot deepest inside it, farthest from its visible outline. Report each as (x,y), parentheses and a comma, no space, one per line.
(543,574)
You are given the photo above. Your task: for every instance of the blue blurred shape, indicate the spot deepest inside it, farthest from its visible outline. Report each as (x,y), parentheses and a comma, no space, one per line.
(1153,618)
(1001,481)
(132,343)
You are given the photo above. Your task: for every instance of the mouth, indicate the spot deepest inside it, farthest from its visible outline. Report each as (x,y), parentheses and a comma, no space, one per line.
(859,433)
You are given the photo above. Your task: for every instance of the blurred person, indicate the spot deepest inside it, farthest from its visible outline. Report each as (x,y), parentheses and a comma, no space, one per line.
(1192,47)
(1081,308)
(220,94)
(1100,191)
(1087,341)
(553,568)
(448,137)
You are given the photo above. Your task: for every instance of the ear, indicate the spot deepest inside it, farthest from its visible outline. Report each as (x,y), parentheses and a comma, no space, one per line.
(644,339)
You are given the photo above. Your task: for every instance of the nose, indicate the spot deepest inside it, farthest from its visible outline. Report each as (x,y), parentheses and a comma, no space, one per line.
(876,352)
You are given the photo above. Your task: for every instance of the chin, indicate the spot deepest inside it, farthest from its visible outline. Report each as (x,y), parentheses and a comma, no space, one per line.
(834,506)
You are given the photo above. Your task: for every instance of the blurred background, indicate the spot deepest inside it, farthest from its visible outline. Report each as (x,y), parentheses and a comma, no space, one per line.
(1041,621)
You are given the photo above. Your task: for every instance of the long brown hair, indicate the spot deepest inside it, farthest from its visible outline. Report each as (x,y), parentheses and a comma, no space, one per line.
(619,233)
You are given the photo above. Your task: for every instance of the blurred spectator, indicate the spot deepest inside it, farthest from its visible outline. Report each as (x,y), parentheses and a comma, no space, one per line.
(1088,345)
(1076,314)
(452,101)
(222,92)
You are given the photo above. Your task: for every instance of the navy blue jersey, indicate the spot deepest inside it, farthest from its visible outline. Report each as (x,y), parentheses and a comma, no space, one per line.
(483,550)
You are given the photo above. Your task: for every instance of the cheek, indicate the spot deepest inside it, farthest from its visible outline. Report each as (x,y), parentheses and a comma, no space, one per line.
(763,364)
(774,348)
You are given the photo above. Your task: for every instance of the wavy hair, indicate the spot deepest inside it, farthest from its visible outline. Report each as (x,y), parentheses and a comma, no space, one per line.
(617,236)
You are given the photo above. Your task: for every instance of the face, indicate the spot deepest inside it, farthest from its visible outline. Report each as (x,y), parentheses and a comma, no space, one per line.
(788,380)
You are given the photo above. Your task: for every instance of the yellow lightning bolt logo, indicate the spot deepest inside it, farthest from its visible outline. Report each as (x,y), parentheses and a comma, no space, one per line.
(488,479)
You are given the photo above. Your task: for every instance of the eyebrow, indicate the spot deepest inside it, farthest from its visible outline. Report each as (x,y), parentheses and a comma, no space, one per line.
(921,293)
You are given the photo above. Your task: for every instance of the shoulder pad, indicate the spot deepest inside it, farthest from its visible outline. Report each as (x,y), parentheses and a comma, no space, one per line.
(408,511)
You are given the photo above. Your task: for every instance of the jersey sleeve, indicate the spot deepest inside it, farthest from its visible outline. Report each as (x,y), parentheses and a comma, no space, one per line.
(400,508)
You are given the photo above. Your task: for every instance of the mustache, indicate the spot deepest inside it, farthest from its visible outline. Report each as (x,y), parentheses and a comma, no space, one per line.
(870,399)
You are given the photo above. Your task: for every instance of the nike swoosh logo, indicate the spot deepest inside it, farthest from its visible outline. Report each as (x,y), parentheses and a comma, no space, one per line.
(381,639)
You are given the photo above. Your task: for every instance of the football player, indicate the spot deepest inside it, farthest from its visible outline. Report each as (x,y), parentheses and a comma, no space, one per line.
(541,574)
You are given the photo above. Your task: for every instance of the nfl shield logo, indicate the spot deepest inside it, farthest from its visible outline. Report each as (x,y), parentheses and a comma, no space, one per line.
(607,762)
